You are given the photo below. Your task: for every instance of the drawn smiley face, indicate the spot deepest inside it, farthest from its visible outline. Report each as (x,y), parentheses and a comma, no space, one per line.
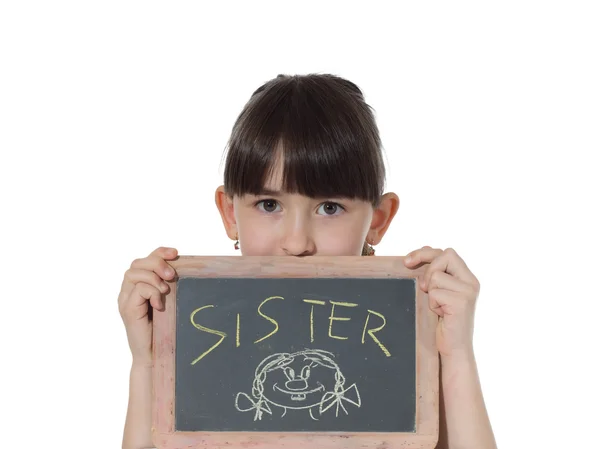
(295,383)
(304,380)
(298,380)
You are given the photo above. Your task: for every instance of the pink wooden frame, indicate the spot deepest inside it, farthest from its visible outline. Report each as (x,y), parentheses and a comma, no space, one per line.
(427,375)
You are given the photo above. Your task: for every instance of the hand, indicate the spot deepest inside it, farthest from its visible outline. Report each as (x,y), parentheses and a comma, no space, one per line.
(141,289)
(453,291)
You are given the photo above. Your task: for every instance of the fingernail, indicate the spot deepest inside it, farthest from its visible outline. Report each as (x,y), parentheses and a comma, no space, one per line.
(164,287)
(169,272)
(408,259)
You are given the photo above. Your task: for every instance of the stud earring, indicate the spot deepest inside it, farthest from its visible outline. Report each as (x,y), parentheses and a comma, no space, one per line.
(236,245)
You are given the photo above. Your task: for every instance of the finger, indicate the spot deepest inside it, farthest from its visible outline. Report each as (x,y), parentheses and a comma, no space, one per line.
(152,295)
(135,306)
(156,261)
(450,262)
(441,280)
(164,252)
(135,275)
(153,263)
(441,301)
(160,256)
(421,256)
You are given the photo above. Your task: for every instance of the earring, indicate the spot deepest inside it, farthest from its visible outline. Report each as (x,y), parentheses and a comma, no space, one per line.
(236,245)
(369,250)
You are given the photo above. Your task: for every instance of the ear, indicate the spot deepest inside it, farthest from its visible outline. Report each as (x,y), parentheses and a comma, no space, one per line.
(383,216)
(225,205)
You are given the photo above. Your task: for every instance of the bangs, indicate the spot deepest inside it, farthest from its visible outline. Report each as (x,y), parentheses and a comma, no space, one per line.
(322,130)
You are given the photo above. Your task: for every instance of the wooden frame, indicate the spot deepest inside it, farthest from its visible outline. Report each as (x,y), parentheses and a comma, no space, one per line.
(427,371)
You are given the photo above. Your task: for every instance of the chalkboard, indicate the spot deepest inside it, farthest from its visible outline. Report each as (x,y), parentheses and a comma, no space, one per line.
(295,355)
(265,347)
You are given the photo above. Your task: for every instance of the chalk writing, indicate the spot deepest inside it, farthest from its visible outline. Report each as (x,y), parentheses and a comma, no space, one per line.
(262,313)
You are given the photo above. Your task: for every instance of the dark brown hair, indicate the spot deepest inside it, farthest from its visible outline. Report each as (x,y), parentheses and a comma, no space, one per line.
(323,129)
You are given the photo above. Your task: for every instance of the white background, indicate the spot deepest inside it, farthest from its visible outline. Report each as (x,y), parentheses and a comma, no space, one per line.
(113,120)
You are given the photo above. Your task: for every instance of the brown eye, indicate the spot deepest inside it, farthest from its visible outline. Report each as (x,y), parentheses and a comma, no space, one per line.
(330,208)
(268,205)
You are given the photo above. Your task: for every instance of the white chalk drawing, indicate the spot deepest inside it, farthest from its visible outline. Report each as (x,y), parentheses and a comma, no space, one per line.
(316,384)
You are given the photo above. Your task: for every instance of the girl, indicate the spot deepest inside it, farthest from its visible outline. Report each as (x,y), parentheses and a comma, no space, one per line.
(304,176)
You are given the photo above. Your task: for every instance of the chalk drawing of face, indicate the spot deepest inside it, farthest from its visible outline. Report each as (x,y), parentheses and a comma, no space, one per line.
(294,382)
(304,380)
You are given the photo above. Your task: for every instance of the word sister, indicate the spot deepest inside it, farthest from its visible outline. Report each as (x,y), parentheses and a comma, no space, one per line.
(374,322)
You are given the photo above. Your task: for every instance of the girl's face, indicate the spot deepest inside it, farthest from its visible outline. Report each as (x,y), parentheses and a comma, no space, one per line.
(277,223)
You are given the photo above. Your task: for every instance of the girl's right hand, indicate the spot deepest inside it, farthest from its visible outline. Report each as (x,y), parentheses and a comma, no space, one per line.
(143,286)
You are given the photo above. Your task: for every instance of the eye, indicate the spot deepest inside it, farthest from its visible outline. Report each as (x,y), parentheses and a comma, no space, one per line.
(305,374)
(289,373)
(268,205)
(330,208)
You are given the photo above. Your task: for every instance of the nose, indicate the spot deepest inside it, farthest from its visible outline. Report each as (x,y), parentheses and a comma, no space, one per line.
(297,239)
(296,385)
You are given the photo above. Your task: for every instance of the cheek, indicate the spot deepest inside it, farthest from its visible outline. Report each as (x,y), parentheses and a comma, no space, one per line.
(257,238)
(257,248)
(341,238)
(339,247)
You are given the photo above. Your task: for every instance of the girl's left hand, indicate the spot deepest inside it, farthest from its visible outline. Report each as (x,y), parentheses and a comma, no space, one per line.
(453,291)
